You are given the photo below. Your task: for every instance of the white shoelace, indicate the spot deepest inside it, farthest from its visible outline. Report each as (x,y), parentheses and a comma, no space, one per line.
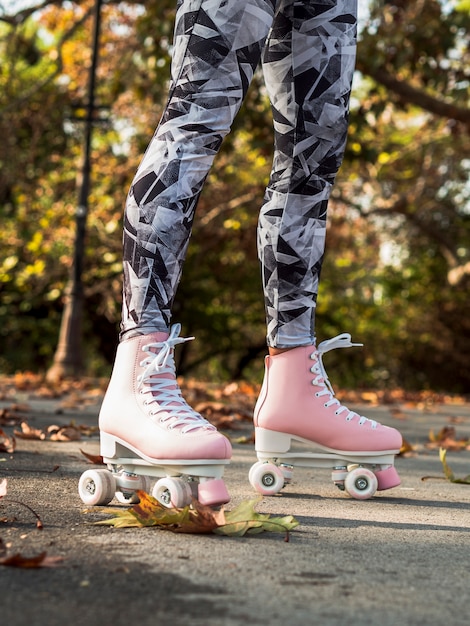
(158,381)
(322,380)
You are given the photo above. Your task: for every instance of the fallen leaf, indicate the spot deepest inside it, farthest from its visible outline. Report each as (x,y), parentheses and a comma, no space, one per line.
(64,433)
(27,432)
(30,562)
(9,417)
(149,512)
(446,438)
(244,519)
(449,474)
(96,459)
(406,448)
(198,518)
(7,443)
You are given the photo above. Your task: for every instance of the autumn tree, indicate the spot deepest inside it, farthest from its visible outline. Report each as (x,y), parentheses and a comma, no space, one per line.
(396,273)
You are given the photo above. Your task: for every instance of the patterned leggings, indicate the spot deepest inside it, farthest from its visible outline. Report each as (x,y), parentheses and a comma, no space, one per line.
(307,49)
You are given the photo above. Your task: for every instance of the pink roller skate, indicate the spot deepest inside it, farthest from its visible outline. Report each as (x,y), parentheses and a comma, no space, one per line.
(297,407)
(148,430)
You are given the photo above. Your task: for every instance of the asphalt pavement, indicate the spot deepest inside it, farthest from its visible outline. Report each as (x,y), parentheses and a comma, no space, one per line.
(401,558)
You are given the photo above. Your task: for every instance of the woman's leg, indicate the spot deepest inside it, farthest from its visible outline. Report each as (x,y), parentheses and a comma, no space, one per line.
(308,64)
(217,47)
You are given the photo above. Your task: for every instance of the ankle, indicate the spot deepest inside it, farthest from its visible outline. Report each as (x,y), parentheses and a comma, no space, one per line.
(275,351)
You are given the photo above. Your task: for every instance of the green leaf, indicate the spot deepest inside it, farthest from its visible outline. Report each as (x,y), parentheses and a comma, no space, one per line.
(244,519)
(449,474)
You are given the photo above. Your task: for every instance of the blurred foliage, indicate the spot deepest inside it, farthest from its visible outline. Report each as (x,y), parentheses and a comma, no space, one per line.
(396,272)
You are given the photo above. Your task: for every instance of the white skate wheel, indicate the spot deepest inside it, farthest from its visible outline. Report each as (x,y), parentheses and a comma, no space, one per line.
(252,470)
(361,483)
(128,486)
(172,492)
(96,487)
(267,478)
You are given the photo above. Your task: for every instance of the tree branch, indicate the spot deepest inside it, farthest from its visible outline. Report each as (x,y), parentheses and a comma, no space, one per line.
(409,94)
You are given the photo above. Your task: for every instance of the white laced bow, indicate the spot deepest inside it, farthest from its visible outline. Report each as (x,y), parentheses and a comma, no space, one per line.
(322,380)
(158,381)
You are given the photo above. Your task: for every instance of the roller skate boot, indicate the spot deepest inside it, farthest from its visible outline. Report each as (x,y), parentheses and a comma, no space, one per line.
(148,431)
(299,422)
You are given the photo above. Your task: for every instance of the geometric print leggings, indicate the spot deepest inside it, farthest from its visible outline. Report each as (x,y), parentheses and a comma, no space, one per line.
(307,49)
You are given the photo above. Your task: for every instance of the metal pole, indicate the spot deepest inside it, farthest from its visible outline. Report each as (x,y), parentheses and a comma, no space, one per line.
(82,209)
(68,358)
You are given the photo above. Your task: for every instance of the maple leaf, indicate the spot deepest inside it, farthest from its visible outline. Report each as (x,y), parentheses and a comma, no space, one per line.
(449,474)
(198,518)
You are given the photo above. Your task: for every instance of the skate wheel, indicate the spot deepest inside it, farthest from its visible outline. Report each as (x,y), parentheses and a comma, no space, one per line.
(360,483)
(96,487)
(266,478)
(252,470)
(212,492)
(172,492)
(127,493)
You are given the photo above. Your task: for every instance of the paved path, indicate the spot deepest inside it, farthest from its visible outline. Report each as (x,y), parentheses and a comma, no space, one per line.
(399,559)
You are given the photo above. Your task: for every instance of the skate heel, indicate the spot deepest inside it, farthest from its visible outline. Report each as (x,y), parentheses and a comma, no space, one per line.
(272,442)
(110,448)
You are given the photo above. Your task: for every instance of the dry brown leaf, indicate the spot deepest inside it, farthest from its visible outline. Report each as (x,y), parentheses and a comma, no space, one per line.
(31,562)
(199,518)
(9,417)
(7,443)
(96,459)
(27,432)
(407,449)
(446,438)
(66,433)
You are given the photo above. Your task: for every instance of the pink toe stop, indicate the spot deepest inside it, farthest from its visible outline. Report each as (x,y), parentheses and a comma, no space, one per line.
(213,492)
(387,478)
